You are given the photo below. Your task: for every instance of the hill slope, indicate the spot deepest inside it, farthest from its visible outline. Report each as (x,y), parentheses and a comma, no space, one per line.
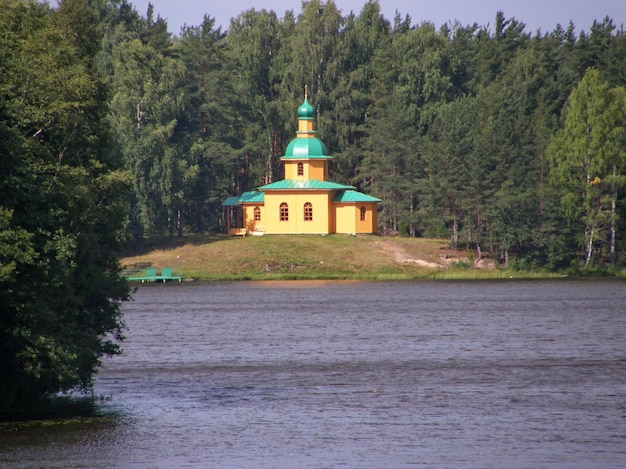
(296,257)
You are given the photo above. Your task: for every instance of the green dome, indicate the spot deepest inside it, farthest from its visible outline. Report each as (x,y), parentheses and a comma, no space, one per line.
(306,148)
(306,111)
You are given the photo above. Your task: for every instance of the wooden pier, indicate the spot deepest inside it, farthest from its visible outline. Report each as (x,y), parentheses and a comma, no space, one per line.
(150,275)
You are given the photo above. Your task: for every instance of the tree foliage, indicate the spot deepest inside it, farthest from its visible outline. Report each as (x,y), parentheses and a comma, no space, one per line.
(449,128)
(61,204)
(588,161)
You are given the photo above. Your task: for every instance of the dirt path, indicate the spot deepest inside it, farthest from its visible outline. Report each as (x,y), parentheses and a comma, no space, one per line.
(402,256)
(441,259)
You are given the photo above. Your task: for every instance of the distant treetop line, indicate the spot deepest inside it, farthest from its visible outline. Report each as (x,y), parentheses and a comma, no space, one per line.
(450,128)
(547,20)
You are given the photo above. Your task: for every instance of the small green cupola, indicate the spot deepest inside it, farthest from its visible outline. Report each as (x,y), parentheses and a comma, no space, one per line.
(306,145)
(306,111)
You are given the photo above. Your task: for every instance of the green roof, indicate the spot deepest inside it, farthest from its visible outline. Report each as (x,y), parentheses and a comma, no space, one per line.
(306,111)
(231,202)
(354,196)
(306,147)
(346,194)
(251,197)
(290,184)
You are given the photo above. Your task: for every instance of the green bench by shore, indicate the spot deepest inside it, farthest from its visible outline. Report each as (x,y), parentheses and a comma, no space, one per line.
(150,275)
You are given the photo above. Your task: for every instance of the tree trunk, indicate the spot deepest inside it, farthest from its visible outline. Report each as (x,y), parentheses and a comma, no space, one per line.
(588,230)
(612,236)
(411,225)
(271,143)
(454,239)
(588,249)
(612,240)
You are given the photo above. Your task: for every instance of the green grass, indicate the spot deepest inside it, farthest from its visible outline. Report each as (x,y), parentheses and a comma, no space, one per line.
(280,257)
(310,257)
(474,274)
(621,273)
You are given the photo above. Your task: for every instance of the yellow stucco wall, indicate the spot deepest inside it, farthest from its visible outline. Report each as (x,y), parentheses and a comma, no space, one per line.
(313,169)
(345,218)
(305,126)
(370,224)
(248,218)
(327,217)
(295,201)
(348,218)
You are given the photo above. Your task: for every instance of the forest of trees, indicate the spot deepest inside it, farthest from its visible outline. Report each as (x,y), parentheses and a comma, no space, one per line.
(113,130)
(62,205)
(498,138)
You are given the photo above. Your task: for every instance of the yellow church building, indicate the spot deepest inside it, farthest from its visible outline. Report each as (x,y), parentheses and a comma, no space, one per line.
(305,202)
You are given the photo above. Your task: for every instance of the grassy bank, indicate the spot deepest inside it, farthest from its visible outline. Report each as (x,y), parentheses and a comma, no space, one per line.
(201,257)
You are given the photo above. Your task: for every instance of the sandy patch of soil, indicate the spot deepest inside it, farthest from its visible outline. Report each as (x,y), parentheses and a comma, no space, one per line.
(432,260)
(402,256)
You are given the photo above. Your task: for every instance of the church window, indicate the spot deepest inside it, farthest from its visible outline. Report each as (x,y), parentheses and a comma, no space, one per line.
(308,211)
(284,212)
(257,214)
(363,213)
(300,169)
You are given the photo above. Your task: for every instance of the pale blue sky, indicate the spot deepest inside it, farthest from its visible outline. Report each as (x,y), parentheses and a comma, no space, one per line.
(544,14)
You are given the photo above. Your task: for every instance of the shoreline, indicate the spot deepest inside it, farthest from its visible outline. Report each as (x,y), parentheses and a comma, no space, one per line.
(329,258)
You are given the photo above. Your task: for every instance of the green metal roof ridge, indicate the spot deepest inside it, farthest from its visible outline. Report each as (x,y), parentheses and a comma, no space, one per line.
(354,196)
(306,157)
(248,197)
(231,202)
(306,147)
(311,184)
(252,197)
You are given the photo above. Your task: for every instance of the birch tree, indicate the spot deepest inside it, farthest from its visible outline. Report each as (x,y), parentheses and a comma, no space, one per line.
(587,160)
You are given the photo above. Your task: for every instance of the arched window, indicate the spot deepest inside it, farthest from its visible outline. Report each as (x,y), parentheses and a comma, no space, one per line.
(257,214)
(300,169)
(284,212)
(363,212)
(308,211)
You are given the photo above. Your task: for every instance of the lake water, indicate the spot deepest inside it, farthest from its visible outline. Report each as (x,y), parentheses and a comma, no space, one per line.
(356,375)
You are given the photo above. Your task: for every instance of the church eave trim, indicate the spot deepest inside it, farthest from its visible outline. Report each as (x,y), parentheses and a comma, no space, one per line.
(311,184)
